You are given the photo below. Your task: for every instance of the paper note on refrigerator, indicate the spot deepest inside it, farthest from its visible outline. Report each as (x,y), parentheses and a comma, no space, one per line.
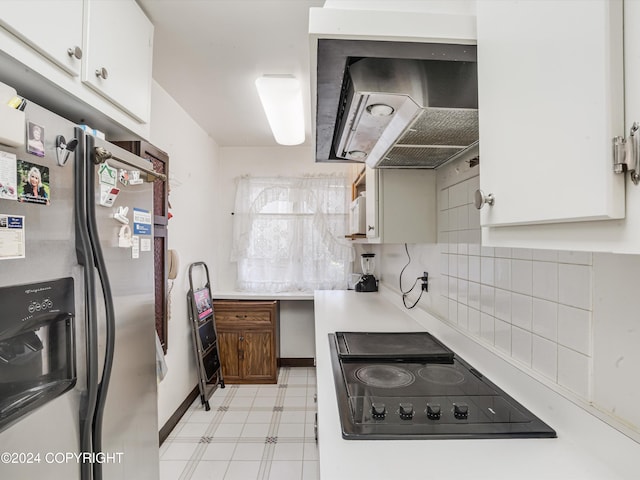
(12,241)
(8,176)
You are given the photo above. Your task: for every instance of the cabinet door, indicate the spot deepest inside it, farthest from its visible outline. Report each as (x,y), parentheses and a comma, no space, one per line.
(119,41)
(258,357)
(371,176)
(51,28)
(229,355)
(550,90)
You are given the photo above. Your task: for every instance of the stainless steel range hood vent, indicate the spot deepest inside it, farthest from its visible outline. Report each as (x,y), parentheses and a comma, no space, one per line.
(406,113)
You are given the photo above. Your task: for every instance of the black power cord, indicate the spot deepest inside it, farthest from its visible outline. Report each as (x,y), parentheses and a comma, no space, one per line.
(424,287)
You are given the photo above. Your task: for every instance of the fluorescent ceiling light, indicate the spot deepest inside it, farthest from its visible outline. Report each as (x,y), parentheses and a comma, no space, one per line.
(281,98)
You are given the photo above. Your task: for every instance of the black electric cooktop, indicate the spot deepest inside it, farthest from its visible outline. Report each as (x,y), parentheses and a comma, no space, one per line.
(396,386)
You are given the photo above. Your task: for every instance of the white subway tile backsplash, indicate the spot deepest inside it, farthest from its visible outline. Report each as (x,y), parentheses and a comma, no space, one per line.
(474,295)
(522,253)
(458,195)
(545,255)
(463,292)
(443,221)
(474,268)
(487,251)
(522,276)
(474,321)
(453,288)
(503,252)
(443,199)
(487,270)
(453,219)
(579,258)
(463,317)
(521,311)
(573,371)
(487,327)
(487,299)
(545,357)
(463,217)
(503,305)
(474,218)
(502,336)
(502,273)
(453,265)
(545,319)
(521,345)
(545,280)
(453,311)
(574,328)
(574,285)
(463,266)
(444,264)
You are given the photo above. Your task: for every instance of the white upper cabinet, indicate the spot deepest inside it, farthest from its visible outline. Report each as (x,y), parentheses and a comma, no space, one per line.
(551,99)
(54,29)
(401,205)
(119,44)
(54,51)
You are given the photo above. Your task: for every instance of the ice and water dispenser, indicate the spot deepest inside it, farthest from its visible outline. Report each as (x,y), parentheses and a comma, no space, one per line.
(37,346)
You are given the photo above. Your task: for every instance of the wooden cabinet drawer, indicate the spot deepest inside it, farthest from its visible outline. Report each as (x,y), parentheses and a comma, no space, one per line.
(230,314)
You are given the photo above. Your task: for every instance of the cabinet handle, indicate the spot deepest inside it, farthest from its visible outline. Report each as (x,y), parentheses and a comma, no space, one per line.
(75,52)
(480,199)
(241,316)
(241,339)
(370,227)
(102,73)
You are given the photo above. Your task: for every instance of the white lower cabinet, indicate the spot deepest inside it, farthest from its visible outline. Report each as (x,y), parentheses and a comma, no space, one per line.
(401,205)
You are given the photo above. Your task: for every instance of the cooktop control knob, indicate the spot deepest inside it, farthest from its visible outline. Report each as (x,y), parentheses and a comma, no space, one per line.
(433,411)
(378,410)
(406,411)
(460,410)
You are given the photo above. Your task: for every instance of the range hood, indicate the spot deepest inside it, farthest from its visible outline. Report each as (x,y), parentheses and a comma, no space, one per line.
(401,112)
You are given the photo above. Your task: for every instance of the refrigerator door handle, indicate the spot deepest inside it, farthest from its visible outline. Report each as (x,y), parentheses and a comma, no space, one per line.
(110,323)
(85,258)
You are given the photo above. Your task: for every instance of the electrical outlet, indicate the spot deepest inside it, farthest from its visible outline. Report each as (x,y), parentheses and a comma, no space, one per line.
(425,282)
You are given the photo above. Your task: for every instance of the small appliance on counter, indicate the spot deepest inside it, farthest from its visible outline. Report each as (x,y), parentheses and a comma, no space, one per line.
(367,282)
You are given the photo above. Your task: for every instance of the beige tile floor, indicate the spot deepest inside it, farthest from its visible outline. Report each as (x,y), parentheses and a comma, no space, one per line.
(251,432)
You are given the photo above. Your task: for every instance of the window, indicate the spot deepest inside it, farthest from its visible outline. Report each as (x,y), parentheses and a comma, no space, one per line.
(289,233)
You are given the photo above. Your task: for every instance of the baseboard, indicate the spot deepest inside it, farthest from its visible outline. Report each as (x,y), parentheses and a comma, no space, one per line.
(178,414)
(296,362)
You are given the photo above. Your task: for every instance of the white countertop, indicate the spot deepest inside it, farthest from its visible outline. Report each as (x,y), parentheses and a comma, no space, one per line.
(235,295)
(586,447)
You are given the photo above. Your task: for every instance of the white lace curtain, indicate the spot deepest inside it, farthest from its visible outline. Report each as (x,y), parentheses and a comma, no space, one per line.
(288,233)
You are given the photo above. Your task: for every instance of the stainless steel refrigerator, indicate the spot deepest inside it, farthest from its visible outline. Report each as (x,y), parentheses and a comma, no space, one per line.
(78,392)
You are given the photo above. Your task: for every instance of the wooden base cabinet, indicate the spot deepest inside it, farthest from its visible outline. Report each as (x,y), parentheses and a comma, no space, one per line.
(247,340)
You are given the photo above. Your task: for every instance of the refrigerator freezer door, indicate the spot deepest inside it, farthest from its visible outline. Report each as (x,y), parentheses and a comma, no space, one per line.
(49,254)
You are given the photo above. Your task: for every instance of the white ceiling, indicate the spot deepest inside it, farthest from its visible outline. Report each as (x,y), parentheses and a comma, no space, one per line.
(208,53)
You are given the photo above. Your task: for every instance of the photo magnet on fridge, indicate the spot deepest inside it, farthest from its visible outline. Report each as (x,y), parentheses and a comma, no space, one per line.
(35,139)
(33,183)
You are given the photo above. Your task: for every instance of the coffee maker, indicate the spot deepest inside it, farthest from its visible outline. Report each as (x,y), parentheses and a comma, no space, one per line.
(367,282)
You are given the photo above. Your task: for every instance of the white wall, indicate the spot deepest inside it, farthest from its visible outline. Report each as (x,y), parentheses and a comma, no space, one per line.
(193,174)
(566,318)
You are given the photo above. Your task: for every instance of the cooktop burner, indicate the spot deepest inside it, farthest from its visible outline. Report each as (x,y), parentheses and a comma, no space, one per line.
(384,376)
(398,396)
